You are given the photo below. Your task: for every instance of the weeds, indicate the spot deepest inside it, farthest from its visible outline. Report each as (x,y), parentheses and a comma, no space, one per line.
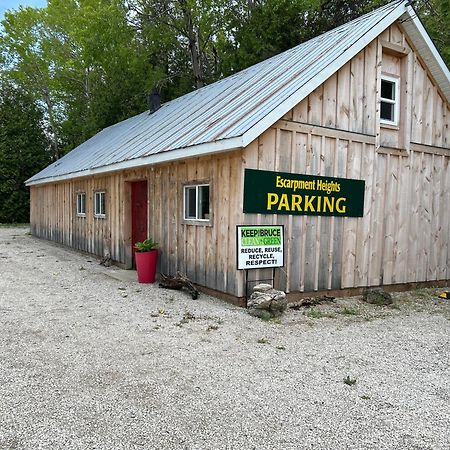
(348,312)
(349,381)
(317,314)
(14,225)
(187,317)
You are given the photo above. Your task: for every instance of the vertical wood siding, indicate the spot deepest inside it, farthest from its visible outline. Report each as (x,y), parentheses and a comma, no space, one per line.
(205,253)
(404,233)
(402,237)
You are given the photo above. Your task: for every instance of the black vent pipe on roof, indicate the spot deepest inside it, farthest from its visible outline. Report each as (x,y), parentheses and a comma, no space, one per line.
(154,100)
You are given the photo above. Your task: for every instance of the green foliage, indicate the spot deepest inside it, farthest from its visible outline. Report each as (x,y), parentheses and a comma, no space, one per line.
(317,314)
(435,14)
(82,61)
(349,381)
(269,28)
(145,246)
(348,311)
(89,64)
(23,151)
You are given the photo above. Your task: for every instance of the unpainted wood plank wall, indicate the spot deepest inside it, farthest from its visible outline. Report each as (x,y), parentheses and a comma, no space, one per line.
(205,253)
(404,233)
(403,236)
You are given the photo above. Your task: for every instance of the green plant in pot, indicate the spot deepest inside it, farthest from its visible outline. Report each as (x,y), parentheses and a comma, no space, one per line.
(146,257)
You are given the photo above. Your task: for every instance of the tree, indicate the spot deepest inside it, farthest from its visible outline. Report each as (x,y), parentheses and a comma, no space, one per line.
(26,60)
(436,17)
(184,35)
(80,60)
(265,28)
(24,150)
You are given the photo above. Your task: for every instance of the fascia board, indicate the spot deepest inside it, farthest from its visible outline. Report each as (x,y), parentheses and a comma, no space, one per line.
(172,155)
(409,19)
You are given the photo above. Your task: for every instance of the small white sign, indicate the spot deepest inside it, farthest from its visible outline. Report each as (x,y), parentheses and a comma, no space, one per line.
(260,246)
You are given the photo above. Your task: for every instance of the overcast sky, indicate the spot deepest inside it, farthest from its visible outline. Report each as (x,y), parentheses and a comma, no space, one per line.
(14,4)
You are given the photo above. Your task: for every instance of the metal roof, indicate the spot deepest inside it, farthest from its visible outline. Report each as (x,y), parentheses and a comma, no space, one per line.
(230,113)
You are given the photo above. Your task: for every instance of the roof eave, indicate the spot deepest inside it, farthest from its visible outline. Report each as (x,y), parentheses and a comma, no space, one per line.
(427,50)
(205,149)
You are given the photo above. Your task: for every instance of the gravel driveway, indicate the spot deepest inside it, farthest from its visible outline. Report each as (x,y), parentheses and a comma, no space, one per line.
(90,362)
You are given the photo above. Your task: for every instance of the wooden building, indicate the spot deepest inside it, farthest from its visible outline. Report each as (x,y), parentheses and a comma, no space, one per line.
(366,101)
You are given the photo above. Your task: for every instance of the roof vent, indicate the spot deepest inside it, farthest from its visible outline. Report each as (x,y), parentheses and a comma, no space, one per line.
(154,101)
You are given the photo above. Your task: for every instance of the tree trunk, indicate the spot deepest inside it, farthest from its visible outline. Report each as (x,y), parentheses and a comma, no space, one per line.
(194,46)
(53,128)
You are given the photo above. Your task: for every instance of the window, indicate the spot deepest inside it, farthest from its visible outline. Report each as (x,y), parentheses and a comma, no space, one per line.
(389,107)
(196,202)
(99,204)
(81,204)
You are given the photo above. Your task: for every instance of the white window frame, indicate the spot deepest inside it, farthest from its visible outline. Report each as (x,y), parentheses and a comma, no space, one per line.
(395,102)
(98,203)
(81,201)
(196,219)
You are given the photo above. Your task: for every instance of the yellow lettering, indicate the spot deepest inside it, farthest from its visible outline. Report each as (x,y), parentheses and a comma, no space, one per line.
(296,202)
(279,181)
(319,203)
(284,203)
(328,202)
(272,199)
(308,203)
(338,207)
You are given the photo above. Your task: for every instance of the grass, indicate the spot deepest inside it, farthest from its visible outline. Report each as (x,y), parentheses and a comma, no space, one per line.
(14,225)
(395,306)
(187,317)
(348,311)
(317,314)
(349,381)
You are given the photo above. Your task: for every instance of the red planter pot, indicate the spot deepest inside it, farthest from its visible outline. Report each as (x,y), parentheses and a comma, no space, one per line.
(146,266)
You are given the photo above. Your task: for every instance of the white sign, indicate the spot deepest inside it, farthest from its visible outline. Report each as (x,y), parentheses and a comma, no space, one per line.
(260,246)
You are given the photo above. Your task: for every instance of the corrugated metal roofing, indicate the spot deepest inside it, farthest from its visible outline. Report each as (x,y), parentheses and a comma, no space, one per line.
(227,114)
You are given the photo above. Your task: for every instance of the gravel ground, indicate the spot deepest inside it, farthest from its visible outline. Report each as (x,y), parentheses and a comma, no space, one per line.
(89,362)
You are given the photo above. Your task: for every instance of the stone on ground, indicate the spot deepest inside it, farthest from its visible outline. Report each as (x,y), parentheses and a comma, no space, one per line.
(377,296)
(266,302)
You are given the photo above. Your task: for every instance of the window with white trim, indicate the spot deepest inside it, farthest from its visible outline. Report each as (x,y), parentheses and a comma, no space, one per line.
(196,202)
(81,204)
(389,100)
(99,204)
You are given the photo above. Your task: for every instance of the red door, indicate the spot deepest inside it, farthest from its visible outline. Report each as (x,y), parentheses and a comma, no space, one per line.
(139,213)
